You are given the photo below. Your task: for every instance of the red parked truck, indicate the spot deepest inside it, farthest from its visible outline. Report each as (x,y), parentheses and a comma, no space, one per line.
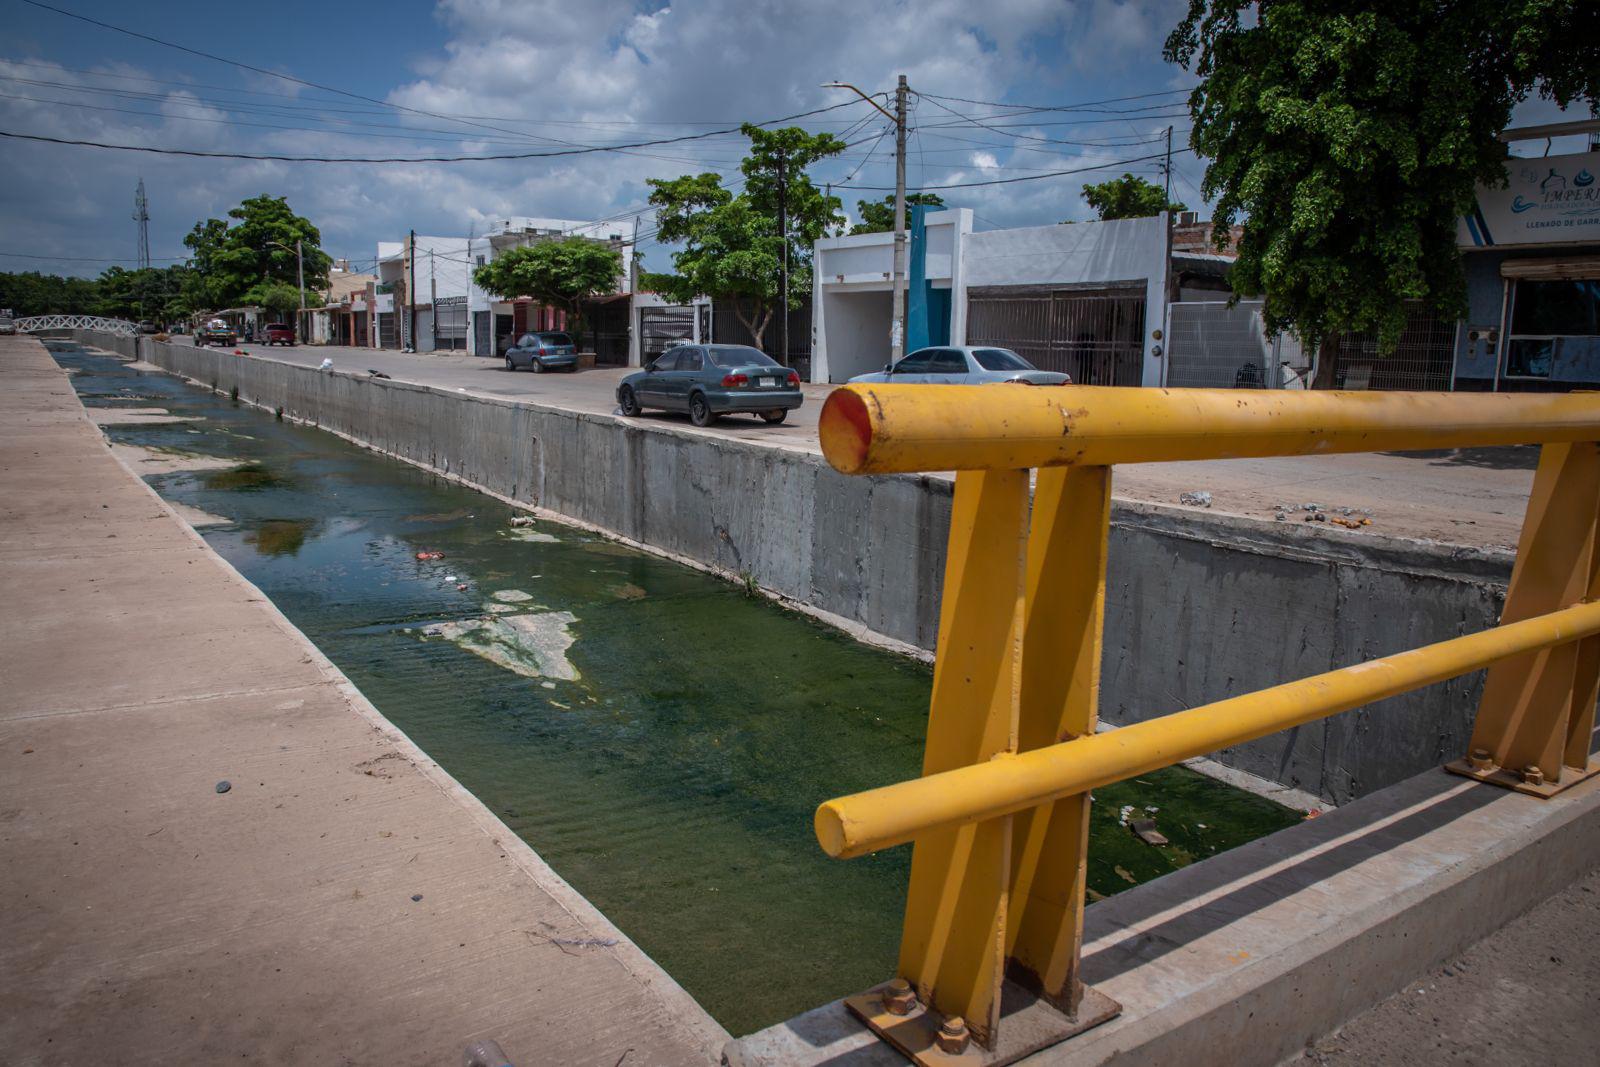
(279,333)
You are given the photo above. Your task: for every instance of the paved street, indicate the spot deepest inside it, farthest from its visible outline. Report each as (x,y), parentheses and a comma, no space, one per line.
(1471,497)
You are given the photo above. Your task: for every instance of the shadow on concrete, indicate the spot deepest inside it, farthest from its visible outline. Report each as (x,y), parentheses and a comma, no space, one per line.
(1497,457)
(1253,877)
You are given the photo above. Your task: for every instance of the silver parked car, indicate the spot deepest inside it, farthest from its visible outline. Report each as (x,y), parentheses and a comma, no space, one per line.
(965,365)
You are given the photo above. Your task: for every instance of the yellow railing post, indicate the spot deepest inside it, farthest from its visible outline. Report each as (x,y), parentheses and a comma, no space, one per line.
(1000,817)
(1061,645)
(952,943)
(1532,732)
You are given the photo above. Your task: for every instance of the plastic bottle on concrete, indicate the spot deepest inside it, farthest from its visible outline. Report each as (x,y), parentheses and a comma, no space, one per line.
(485,1053)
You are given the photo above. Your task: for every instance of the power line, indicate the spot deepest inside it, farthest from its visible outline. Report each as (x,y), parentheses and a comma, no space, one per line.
(575,151)
(1021,136)
(1084,106)
(1027,178)
(1072,122)
(90,259)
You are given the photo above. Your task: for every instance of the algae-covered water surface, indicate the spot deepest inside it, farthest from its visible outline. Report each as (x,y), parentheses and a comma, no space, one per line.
(659,737)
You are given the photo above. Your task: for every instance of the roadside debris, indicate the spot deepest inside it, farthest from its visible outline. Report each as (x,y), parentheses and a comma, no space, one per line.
(1349,518)
(224,785)
(378,374)
(1147,832)
(427,556)
(523,520)
(1199,498)
(326,364)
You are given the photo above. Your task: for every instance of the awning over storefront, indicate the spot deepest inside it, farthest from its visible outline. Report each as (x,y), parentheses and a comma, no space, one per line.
(1566,268)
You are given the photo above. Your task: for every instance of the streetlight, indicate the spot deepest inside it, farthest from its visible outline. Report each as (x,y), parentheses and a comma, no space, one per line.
(897,330)
(300,271)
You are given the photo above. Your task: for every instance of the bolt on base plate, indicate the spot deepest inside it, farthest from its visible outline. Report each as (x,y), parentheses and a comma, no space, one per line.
(1027,1024)
(1520,780)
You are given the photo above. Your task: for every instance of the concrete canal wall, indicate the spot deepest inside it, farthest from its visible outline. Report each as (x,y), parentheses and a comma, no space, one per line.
(1198,606)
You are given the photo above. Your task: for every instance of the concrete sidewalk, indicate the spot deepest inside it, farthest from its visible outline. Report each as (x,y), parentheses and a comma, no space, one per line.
(345,901)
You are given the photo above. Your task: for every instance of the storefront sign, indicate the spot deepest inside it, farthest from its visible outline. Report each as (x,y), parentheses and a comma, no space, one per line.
(1547,200)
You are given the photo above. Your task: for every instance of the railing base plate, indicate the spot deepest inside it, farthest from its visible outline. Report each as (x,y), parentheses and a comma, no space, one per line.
(1027,1024)
(1570,776)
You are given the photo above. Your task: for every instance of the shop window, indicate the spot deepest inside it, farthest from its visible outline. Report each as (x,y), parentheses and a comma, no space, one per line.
(1543,315)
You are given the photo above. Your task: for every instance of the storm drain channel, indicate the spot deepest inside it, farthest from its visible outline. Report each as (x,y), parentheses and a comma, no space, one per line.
(657,735)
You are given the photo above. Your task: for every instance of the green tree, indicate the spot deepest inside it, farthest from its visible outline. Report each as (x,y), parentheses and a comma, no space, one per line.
(1129,197)
(877,216)
(156,293)
(32,293)
(1352,135)
(732,246)
(279,297)
(203,289)
(560,273)
(230,260)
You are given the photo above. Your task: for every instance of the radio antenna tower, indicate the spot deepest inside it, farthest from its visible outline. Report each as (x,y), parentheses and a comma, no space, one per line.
(141,215)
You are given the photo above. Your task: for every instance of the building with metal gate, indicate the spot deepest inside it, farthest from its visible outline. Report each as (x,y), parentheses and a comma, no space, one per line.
(1085,298)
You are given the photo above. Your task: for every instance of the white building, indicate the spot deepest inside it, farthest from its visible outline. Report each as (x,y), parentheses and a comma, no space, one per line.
(1087,298)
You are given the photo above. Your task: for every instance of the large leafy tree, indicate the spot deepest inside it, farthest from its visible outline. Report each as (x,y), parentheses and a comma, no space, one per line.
(1129,197)
(1352,134)
(258,247)
(732,247)
(560,273)
(877,216)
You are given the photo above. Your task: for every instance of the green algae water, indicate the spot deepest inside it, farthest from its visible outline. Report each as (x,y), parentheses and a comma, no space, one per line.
(659,737)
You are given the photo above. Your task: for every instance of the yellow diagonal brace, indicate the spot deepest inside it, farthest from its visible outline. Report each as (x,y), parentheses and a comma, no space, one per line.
(1528,702)
(1061,643)
(952,947)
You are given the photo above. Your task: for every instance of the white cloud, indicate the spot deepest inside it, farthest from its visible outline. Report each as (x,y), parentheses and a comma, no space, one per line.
(536,75)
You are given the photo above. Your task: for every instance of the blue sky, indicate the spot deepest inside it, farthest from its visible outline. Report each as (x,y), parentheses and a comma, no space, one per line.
(527,75)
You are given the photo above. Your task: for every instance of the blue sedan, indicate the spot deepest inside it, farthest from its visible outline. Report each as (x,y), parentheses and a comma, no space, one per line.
(711,380)
(550,350)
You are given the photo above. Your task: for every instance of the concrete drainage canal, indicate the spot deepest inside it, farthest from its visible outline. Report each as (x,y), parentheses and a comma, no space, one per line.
(657,735)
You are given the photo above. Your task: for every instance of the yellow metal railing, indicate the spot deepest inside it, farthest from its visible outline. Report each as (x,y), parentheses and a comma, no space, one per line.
(999,819)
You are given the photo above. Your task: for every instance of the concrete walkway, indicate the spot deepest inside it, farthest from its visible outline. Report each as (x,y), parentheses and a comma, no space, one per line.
(344,902)
(1470,497)
(1525,994)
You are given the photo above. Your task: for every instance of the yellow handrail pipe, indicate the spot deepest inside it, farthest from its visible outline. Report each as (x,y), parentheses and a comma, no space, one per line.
(884,429)
(894,814)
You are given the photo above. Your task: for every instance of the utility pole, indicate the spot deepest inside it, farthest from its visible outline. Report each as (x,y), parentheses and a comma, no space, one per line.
(300,271)
(411,295)
(633,260)
(783,271)
(1166,168)
(897,329)
(1163,347)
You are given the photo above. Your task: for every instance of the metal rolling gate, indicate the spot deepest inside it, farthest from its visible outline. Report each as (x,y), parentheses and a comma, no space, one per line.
(1213,346)
(662,327)
(999,821)
(1095,335)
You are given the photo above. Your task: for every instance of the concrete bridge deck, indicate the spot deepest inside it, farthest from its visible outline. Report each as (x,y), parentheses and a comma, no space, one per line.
(344,902)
